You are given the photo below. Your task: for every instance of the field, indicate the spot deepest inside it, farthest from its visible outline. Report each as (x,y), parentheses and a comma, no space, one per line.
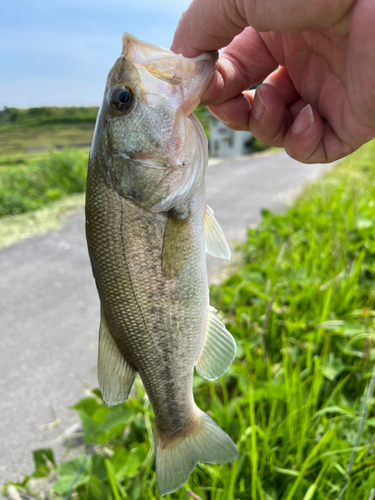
(39,148)
(25,133)
(33,170)
(44,155)
(301,306)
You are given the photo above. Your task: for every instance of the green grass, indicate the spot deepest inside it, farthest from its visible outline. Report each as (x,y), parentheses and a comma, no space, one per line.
(31,185)
(294,416)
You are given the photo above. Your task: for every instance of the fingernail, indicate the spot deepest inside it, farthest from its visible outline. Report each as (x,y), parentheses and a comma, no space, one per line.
(304,119)
(259,106)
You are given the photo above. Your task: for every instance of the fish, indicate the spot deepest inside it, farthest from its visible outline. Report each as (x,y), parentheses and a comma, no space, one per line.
(148,230)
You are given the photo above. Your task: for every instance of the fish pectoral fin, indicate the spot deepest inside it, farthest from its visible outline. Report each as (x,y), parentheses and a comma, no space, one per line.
(115,375)
(218,351)
(216,244)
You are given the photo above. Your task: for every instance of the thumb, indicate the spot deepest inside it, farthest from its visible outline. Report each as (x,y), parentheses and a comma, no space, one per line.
(205,26)
(212,24)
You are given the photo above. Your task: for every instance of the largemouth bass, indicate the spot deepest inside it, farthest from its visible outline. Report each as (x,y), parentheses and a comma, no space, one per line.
(148,230)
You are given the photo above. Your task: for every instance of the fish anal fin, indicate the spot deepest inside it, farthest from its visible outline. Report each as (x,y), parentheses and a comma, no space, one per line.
(216,244)
(218,351)
(115,375)
(176,457)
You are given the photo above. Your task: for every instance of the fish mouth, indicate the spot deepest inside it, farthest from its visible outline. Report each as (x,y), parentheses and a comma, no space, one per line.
(186,78)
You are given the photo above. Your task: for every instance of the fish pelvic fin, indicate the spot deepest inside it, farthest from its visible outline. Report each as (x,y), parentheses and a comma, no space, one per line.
(218,351)
(115,375)
(176,457)
(215,241)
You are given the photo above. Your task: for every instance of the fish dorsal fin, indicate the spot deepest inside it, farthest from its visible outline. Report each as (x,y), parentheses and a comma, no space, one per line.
(218,351)
(115,375)
(216,244)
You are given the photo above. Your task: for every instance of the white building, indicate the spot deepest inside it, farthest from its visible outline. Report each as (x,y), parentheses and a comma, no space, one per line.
(225,142)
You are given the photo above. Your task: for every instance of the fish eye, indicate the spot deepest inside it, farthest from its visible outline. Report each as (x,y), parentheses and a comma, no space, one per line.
(122,98)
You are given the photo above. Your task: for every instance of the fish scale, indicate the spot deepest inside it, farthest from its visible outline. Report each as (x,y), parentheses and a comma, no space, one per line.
(130,281)
(148,230)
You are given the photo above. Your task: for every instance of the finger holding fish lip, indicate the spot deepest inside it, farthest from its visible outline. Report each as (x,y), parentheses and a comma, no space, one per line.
(238,70)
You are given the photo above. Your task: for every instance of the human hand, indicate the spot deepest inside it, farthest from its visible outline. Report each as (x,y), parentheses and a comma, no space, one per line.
(320,102)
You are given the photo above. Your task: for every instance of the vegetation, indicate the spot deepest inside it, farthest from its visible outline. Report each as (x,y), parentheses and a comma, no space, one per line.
(32,171)
(258,146)
(36,117)
(31,185)
(25,132)
(301,306)
(203,116)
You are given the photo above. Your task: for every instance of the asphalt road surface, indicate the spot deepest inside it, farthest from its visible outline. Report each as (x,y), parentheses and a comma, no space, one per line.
(49,309)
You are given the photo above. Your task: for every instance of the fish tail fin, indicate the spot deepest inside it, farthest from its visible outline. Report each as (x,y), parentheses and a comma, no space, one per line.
(177,456)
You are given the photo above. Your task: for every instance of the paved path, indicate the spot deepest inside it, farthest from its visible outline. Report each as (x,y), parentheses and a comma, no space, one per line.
(49,309)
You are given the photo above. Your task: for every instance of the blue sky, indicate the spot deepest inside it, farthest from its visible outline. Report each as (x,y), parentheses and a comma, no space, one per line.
(58,52)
